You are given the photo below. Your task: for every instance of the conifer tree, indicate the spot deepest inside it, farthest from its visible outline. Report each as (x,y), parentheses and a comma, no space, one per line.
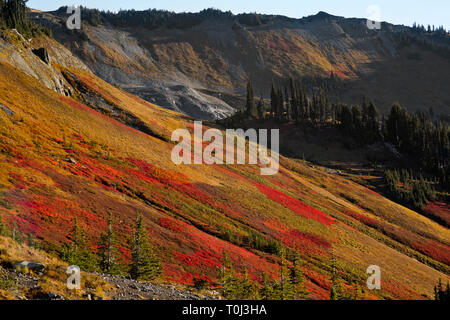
(261,108)
(248,289)
(2,226)
(250,106)
(266,291)
(76,252)
(109,256)
(284,288)
(230,285)
(297,280)
(336,286)
(273,102)
(373,123)
(14,15)
(145,265)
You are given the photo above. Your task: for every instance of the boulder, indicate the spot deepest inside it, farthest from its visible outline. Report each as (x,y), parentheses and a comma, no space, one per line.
(48,296)
(32,266)
(42,53)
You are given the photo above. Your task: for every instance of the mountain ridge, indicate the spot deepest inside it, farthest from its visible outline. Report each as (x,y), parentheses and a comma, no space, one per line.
(150,57)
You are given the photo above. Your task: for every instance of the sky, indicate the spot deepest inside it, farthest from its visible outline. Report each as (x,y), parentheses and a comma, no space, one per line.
(433,12)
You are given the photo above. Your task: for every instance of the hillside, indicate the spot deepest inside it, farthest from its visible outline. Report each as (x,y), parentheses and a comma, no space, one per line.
(50,283)
(173,60)
(101,150)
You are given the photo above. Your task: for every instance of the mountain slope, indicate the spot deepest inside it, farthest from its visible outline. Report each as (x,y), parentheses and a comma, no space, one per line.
(69,157)
(220,52)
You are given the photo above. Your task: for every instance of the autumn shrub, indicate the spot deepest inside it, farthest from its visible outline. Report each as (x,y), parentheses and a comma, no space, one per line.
(201,282)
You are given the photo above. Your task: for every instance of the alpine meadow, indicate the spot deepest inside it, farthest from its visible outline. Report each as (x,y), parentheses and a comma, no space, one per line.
(222,156)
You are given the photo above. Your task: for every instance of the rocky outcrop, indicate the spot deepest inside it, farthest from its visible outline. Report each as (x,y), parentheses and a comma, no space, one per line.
(39,58)
(220,54)
(31,266)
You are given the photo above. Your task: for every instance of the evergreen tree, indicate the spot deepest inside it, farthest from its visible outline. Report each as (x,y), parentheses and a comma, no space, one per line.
(261,108)
(250,106)
(346,119)
(297,280)
(273,102)
(248,289)
(145,265)
(280,104)
(266,291)
(230,284)
(2,226)
(373,123)
(357,127)
(440,293)
(284,288)
(14,15)
(294,100)
(336,292)
(76,252)
(109,256)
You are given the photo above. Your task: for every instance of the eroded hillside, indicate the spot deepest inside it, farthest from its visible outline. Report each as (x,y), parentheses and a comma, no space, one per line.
(171,65)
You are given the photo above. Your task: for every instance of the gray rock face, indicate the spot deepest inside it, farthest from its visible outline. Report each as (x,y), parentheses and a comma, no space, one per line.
(174,91)
(183,99)
(35,62)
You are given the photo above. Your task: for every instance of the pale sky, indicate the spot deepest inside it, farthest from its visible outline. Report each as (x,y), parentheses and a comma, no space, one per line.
(433,12)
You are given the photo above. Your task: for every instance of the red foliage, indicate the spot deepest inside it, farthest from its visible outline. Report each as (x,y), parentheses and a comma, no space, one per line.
(362,218)
(374,193)
(308,244)
(176,273)
(399,291)
(172,224)
(54,217)
(295,205)
(163,176)
(40,209)
(19,180)
(439,210)
(433,249)
(78,136)
(200,258)
(11,151)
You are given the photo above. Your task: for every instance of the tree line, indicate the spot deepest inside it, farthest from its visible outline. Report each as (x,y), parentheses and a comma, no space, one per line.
(153,18)
(420,28)
(441,293)
(144,266)
(14,14)
(416,135)
(404,187)
(289,286)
